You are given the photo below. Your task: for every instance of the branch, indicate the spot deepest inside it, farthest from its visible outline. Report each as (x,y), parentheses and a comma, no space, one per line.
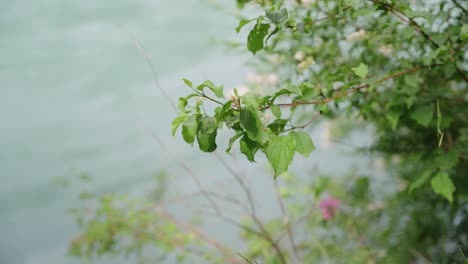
(306,124)
(352,90)
(253,214)
(208,240)
(287,223)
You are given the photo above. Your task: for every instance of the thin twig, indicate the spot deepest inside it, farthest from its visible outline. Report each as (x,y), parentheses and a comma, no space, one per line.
(148,60)
(257,221)
(285,214)
(352,90)
(228,255)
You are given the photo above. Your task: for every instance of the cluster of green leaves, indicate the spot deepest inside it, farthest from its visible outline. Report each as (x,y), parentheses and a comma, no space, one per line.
(243,114)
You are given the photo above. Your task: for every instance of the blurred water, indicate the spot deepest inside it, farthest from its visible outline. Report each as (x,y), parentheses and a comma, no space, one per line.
(75,92)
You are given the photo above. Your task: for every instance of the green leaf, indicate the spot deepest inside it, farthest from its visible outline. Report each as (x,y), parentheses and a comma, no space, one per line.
(446,161)
(443,185)
(278,17)
(182,104)
(420,181)
(393,116)
(294,89)
(217,90)
(177,122)
(249,148)
(362,70)
(242,23)
(276,111)
(206,135)
(232,140)
(304,144)
(423,114)
(464,32)
(249,121)
(189,129)
(256,37)
(188,83)
(354,3)
(280,152)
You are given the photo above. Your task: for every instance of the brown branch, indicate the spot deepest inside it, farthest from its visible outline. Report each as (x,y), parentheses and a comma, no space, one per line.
(354,89)
(315,117)
(228,255)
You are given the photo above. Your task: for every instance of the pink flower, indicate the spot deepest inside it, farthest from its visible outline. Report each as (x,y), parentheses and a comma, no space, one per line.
(328,207)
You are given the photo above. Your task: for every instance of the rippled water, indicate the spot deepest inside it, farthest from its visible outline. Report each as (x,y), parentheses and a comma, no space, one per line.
(76,93)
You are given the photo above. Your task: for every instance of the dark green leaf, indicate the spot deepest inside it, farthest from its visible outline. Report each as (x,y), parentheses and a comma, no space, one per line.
(206,135)
(423,114)
(249,121)
(256,37)
(249,148)
(304,144)
(446,161)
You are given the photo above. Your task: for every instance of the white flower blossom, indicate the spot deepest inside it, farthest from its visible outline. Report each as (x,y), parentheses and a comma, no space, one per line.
(386,49)
(356,36)
(272,79)
(299,55)
(307,3)
(241,90)
(263,79)
(274,59)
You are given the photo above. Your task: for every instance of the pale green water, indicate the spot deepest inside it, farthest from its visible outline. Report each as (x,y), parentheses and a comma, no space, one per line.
(75,92)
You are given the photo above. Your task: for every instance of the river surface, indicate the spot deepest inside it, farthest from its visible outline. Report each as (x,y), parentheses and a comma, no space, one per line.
(77,95)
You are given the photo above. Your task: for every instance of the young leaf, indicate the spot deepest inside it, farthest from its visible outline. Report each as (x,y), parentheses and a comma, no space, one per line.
(249,148)
(276,111)
(362,70)
(304,144)
(423,114)
(256,37)
(177,122)
(393,116)
(280,152)
(189,129)
(188,83)
(217,90)
(353,3)
(206,135)
(443,185)
(278,17)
